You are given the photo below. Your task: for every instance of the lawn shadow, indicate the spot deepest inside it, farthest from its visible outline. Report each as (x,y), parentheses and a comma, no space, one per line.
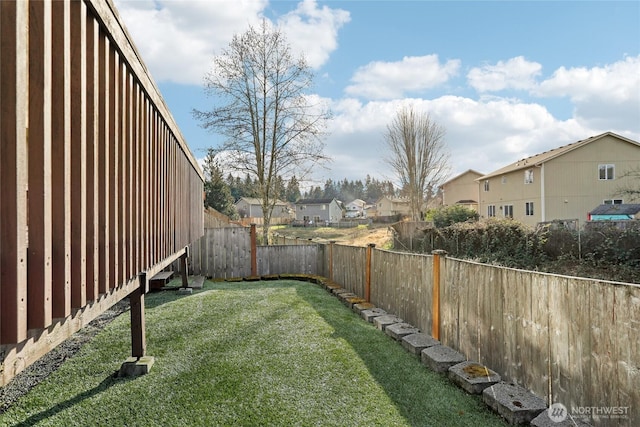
(103,386)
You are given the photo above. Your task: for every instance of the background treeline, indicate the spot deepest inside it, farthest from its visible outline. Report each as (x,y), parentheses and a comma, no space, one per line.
(370,190)
(221,192)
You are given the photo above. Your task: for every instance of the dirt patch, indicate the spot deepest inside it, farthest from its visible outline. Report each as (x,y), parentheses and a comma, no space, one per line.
(380,235)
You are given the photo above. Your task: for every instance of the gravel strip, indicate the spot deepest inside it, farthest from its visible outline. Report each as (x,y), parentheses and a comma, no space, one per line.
(43,367)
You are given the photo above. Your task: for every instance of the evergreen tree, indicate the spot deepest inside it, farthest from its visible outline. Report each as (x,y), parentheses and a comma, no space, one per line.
(292,193)
(217,191)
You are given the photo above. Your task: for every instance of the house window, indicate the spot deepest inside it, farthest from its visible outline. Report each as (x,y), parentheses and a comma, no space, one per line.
(504,179)
(486,185)
(528,176)
(613,202)
(606,172)
(324,207)
(491,211)
(508,211)
(528,208)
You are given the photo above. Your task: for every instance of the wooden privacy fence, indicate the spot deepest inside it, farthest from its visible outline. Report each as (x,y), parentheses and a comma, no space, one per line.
(98,184)
(227,253)
(569,340)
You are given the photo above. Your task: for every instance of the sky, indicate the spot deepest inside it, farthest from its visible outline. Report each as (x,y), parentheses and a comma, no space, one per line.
(505,79)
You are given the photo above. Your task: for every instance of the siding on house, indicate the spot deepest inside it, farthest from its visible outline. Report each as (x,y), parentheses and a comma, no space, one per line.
(390,206)
(563,183)
(462,189)
(249,207)
(318,210)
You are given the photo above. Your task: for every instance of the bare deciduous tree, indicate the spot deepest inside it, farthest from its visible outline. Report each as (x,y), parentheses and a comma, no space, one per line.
(271,127)
(631,189)
(418,155)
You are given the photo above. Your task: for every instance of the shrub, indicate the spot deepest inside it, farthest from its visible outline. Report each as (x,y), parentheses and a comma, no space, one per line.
(448,215)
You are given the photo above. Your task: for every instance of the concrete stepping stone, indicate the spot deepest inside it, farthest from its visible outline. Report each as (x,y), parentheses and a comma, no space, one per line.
(515,404)
(351,301)
(360,307)
(345,295)
(197,282)
(440,358)
(369,315)
(382,322)
(415,343)
(338,291)
(473,377)
(399,330)
(330,286)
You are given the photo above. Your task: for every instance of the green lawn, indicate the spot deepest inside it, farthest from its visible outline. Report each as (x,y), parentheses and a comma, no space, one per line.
(270,353)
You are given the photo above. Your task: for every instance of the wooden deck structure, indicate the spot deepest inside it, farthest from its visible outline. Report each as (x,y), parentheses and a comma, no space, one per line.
(99,189)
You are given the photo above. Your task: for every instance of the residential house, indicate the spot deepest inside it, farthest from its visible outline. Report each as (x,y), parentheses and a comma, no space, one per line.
(462,189)
(317,211)
(615,212)
(249,207)
(355,209)
(563,183)
(391,206)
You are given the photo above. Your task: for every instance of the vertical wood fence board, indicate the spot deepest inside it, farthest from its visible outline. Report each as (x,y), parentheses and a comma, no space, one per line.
(511,320)
(579,345)
(600,313)
(559,340)
(450,303)
(535,350)
(61,158)
(93,147)
(39,162)
(627,325)
(104,149)
(78,155)
(468,318)
(14,172)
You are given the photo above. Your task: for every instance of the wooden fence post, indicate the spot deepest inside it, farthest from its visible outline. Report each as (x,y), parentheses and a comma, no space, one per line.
(435,306)
(136,298)
(184,266)
(254,261)
(367,284)
(331,243)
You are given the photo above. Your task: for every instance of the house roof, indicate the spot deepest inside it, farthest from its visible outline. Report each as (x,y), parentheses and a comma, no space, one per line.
(314,201)
(462,174)
(538,159)
(624,209)
(256,201)
(394,199)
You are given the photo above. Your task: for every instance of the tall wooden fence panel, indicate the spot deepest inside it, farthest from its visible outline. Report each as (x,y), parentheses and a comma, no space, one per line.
(348,267)
(222,253)
(98,184)
(281,259)
(401,283)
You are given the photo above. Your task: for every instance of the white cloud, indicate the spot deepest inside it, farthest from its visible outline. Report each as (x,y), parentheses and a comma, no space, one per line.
(313,30)
(516,73)
(387,80)
(604,96)
(178,39)
(481,135)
